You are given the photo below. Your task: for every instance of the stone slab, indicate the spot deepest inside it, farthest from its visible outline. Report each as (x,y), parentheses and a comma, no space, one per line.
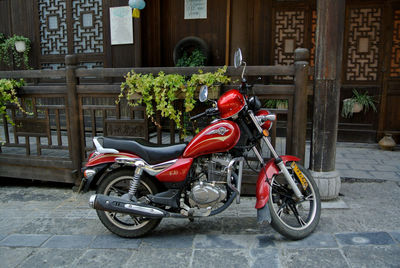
(2,237)
(373,256)
(68,241)
(24,240)
(94,258)
(309,257)
(45,257)
(224,241)
(168,241)
(11,257)
(315,240)
(386,175)
(113,241)
(396,236)
(334,204)
(149,257)
(221,258)
(262,258)
(357,239)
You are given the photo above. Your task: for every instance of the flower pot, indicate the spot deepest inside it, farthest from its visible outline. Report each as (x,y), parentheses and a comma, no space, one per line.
(357,107)
(387,142)
(20,46)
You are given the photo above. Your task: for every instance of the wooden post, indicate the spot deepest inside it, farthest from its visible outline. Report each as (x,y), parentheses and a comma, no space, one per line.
(71,62)
(298,141)
(328,64)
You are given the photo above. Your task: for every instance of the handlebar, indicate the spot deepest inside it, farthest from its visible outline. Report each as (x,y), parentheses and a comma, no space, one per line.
(209,112)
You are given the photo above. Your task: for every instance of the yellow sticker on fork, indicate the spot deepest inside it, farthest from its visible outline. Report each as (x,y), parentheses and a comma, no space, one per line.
(299,175)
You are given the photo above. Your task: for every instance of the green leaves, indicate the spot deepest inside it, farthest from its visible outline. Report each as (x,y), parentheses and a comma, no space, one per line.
(9,95)
(7,48)
(163,90)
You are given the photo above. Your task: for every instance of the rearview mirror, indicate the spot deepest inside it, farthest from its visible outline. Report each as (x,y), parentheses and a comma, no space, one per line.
(203,95)
(238,59)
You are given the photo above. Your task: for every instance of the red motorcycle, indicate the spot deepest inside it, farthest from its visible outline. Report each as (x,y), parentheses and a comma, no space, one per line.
(139,183)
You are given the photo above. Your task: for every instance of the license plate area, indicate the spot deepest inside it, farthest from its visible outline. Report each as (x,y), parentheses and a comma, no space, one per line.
(299,175)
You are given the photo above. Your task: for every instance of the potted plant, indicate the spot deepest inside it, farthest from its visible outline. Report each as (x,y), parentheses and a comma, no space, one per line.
(357,103)
(19,47)
(162,90)
(196,58)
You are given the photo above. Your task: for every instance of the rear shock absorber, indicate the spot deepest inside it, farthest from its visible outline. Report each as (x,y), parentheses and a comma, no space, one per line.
(135,180)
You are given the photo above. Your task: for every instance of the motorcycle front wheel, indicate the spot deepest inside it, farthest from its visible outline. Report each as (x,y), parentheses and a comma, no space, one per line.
(293,218)
(125,225)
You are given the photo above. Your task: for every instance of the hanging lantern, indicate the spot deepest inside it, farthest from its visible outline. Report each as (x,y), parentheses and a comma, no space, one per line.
(137,5)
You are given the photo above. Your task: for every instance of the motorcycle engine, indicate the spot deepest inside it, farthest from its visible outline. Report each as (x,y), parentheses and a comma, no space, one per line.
(209,188)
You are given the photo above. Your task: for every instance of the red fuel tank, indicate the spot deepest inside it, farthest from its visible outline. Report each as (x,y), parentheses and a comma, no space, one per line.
(218,137)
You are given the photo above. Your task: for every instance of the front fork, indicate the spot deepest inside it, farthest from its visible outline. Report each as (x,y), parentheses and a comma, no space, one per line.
(278,160)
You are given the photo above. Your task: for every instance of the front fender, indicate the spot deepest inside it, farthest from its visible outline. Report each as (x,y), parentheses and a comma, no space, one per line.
(266,173)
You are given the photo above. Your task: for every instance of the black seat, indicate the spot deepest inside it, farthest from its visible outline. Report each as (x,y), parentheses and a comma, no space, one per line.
(150,152)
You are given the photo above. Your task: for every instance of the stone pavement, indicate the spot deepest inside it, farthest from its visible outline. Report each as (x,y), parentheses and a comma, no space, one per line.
(47,225)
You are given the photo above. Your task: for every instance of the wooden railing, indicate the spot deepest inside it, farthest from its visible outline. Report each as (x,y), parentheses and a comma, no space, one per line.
(71,106)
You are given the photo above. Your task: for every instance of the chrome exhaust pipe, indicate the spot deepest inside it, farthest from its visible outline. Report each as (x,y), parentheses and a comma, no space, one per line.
(119,205)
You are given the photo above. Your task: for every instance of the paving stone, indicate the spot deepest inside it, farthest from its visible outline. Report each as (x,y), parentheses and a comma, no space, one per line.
(388,167)
(386,175)
(373,256)
(315,240)
(113,241)
(2,237)
(359,174)
(360,166)
(12,225)
(64,226)
(24,240)
(104,258)
(68,241)
(168,241)
(221,258)
(396,236)
(302,258)
(224,241)
(51,258)
(11,257)
(148,257)
(265,241)
(264,258)
(378,238)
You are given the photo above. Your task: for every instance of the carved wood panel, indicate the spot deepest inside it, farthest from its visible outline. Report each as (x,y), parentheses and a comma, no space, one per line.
(288,35)
(87,26)
(395,59)
(53,27)
(363,43)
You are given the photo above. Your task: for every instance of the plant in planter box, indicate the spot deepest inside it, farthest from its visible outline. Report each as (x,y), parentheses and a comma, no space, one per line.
(163,90)
(8,95)
(357,103)
(19,47)
(276,104)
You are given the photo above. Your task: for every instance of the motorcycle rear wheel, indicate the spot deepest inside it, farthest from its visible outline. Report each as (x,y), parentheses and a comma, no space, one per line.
(125,225)
(294,219)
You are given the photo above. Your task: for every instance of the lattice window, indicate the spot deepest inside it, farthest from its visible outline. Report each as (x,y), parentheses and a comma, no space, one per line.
(395,62)
(88,26)
(53,27)
(364,35)
(288,35)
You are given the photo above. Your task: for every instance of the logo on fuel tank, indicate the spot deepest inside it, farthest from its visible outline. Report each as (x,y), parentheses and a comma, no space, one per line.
(221,131)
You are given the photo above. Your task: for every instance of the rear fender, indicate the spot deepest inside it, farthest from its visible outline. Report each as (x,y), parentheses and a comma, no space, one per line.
(266,173)
(100,163)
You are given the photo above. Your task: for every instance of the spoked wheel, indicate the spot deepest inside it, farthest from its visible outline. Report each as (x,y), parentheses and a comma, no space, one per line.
(294,219)
(126,225)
